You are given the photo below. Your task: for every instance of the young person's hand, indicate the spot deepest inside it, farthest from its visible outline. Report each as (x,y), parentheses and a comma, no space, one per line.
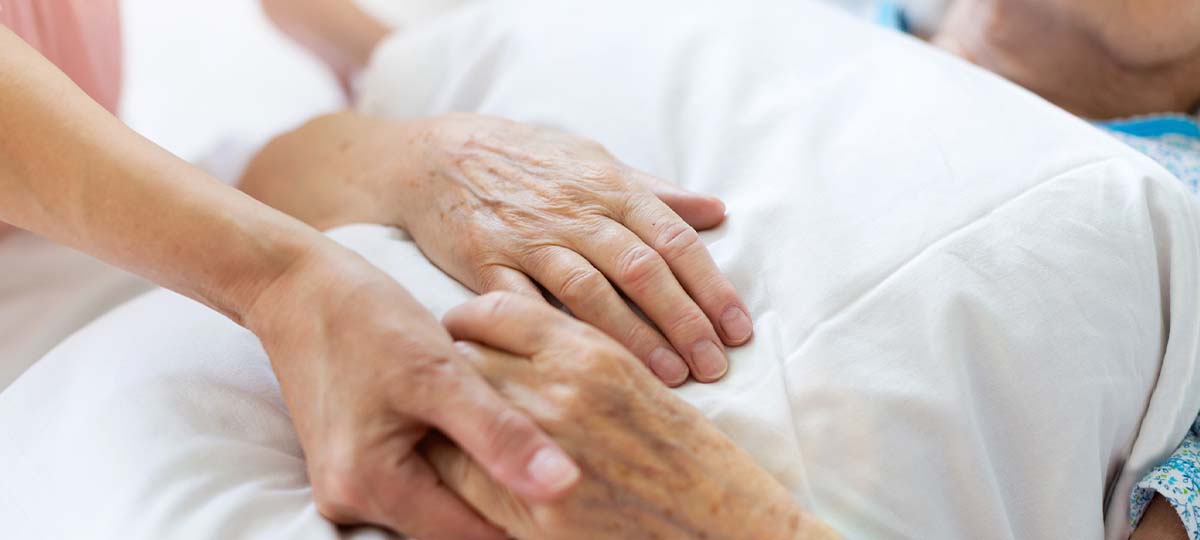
(366,373)
(364,369)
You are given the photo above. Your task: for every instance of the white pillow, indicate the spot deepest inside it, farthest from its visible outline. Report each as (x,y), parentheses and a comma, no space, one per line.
(975,315)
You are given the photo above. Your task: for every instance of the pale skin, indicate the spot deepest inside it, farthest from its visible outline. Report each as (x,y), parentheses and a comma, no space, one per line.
(365,370)
(1099,59)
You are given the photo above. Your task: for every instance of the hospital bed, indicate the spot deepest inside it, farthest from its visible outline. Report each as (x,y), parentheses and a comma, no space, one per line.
(976,315)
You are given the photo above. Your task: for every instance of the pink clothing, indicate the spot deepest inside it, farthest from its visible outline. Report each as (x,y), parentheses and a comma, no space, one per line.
(81,37)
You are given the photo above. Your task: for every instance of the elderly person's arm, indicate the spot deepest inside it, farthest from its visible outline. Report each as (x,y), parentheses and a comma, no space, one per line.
(500,205)
(653,466)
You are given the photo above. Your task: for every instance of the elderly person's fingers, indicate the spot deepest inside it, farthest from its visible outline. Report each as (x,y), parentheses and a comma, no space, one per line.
(584,290)
(689,259)
(512,323)
(496,278)
(463,476)
(388,496)
(700,211)
(642,274)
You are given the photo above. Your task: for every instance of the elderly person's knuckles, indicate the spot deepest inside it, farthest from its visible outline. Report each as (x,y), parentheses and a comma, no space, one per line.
(513,230)
(604,356)
(570,395)
(535,257)
(488,273)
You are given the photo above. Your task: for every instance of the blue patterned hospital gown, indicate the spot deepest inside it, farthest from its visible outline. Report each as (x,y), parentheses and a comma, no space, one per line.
(1172,140)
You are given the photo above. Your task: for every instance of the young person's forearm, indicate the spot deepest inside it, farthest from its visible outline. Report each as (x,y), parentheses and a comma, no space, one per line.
(72,172)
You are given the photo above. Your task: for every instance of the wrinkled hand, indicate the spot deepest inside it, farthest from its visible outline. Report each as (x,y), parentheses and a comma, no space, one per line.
(366,372)
(500,205)
(653,467)
(503,203)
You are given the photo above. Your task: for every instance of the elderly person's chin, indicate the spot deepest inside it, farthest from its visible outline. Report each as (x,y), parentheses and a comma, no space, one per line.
(1147,34)
(1098,59)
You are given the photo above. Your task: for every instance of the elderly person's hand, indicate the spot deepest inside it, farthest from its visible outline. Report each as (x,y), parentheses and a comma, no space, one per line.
(501,206)
(653,466)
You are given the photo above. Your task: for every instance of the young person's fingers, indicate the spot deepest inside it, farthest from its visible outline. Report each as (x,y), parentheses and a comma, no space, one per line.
(451,396)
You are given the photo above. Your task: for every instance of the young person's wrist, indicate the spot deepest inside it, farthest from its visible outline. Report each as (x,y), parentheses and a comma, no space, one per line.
(296,270)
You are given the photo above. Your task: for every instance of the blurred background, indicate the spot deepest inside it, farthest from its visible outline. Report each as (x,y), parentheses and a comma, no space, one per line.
(212,80)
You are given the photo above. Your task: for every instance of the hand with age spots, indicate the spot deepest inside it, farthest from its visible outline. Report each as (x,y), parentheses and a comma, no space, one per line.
(652,466)
(501,205)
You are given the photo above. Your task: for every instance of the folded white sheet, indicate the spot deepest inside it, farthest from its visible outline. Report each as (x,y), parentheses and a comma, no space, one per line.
(976,316)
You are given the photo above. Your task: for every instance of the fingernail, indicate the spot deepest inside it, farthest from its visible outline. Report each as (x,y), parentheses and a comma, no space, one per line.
(736,324)
(668,366)
(552,469)
(709,360)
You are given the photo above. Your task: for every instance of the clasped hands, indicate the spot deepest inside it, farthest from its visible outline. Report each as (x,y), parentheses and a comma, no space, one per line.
(554,425)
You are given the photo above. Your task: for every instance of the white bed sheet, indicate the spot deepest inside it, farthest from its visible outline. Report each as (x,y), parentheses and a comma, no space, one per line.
(976,316)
